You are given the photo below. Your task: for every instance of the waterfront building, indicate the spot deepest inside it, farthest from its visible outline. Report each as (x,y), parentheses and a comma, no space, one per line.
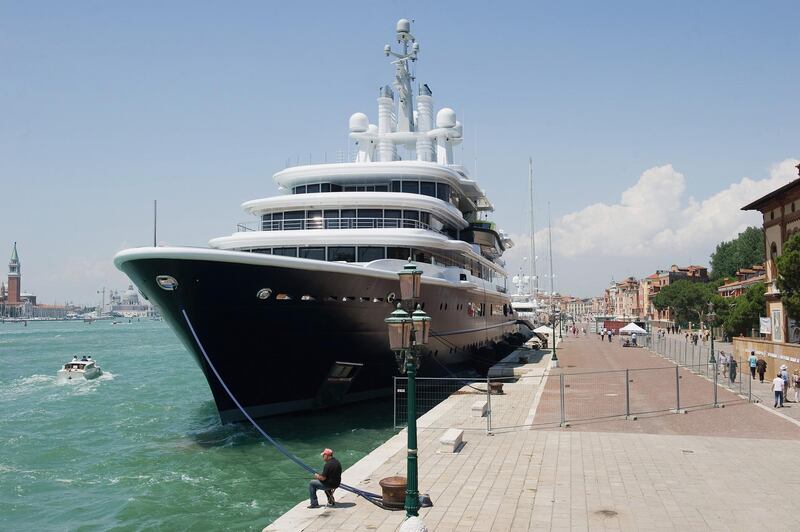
(127,304)
(628,304)
(743,279)
(14,303)
(652,285)
(579,308)
(778,344)
(780,211)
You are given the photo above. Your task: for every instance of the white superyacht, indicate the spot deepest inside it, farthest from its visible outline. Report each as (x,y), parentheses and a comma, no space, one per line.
(290,307)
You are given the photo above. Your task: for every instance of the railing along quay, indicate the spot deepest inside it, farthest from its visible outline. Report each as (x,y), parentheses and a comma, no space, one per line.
(579,396)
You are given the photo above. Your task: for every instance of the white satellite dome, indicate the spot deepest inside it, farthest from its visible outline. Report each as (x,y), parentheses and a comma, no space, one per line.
(403,26)
(359,123)
(446,117)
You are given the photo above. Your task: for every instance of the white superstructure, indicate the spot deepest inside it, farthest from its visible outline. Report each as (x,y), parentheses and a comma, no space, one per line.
(382,208)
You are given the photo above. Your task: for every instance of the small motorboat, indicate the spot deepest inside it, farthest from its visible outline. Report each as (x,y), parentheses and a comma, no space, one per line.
(84,369)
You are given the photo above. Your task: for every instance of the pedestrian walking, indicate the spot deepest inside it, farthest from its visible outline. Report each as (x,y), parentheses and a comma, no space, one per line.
(328,480)
(761,368)
(777,387)
(796,381)
(723,364)
(785,377)
(732,367)
(753,361)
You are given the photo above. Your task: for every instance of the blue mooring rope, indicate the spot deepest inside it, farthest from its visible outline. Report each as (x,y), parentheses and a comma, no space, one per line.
(374,498)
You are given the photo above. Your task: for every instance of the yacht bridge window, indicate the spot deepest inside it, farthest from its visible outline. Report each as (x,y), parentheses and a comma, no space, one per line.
(442,191)
(350,219)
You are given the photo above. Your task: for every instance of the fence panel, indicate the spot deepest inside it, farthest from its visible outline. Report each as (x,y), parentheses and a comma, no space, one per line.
(652,390)
(432,391)
(697,392)
(593,395)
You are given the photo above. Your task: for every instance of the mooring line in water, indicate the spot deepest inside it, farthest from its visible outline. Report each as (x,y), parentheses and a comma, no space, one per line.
(374,498)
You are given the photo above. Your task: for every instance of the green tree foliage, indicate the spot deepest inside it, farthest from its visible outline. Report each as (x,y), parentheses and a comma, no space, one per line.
(743,251)
(689,301)
(745,311)
(789,276)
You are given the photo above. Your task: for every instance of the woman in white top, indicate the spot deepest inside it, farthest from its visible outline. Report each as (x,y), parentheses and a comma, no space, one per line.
(777,387)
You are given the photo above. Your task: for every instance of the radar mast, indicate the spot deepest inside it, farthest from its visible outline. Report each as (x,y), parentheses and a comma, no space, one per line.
(403,77)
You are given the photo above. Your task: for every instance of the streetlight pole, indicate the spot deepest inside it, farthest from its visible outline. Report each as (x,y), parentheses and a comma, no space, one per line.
(406,333)
(554,358)
(711,317)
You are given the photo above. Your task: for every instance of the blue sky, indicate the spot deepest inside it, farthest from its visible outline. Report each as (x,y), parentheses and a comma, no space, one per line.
(109,105)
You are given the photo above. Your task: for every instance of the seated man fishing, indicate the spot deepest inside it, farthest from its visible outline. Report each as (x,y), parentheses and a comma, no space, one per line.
(328,480)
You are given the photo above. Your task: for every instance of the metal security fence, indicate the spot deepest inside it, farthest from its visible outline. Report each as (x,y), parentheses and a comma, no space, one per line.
(432,391)
(565,397)
(696,357)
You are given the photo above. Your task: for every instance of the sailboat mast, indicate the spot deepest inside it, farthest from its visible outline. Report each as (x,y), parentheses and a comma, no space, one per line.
(550,239)
(534,279)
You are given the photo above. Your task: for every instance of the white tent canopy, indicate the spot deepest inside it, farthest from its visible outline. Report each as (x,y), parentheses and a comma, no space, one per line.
(544,330)
(632,328)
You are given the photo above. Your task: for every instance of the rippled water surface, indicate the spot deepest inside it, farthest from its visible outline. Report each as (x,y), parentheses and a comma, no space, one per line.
(142,446)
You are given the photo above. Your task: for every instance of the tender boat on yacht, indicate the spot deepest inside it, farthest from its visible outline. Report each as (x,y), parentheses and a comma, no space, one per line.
(84,369)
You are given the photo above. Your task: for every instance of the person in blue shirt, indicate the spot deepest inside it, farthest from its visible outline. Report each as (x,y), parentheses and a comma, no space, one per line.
(752,360)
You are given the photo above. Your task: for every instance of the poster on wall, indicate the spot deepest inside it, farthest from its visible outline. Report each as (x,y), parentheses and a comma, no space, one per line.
(765,326)
(776,325)
(794,331)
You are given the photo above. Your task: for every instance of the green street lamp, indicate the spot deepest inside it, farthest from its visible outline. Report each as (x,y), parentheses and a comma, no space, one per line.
(554,358)
(712,316)
(406,332)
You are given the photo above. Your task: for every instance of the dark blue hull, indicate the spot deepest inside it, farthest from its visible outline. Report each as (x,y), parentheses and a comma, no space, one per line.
(277,354)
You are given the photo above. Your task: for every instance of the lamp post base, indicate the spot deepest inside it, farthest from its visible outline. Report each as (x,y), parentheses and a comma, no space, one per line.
(413,524)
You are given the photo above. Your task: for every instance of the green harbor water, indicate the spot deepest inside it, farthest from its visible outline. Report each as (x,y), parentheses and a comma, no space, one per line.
(142,447)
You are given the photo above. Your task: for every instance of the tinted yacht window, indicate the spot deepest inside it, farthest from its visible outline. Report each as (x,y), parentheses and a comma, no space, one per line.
(398,253)
(443,191)
(343,253)
(286,252)
(411,187)
(312,253)
(367,254)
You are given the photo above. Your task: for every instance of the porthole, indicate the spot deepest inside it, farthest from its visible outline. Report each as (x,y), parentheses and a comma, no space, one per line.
(331,298)
(445,306)
(167,282)
(377,300)
(390,297)
(283,297)
(308,297)
(363,299)
(264,293)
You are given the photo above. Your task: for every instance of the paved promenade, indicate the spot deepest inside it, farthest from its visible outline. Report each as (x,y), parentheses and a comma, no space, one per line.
(711,468)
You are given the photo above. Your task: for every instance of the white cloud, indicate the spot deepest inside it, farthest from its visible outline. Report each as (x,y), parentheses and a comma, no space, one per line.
(653,225)
(654,215)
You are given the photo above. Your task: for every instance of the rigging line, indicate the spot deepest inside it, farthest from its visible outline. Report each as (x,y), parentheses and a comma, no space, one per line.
(288,454)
